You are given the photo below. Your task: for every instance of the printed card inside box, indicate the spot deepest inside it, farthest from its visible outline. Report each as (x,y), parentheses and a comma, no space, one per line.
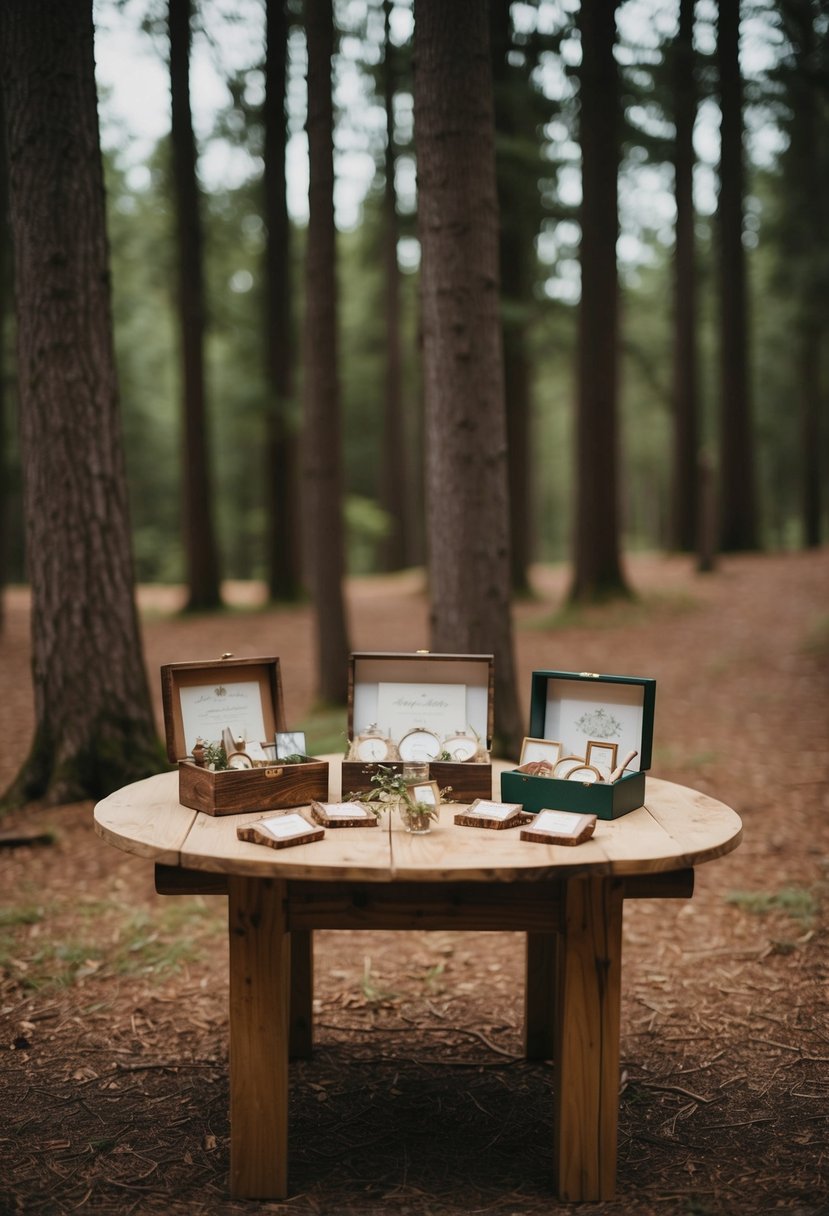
(202,699)
(575,709)
(411,700)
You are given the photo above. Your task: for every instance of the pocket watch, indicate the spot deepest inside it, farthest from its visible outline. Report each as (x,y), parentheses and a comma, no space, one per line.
(239,760)
(460,746)
(419,744)
(373,747)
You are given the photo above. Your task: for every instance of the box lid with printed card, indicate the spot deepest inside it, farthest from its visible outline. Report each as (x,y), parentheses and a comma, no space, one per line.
(591,724)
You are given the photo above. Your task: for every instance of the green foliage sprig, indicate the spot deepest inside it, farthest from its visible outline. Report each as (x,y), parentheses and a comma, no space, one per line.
(391,792)
(215,757)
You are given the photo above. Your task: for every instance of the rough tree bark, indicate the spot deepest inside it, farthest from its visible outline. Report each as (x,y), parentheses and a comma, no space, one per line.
(516,253)
(684,513)
(321,437)
(597,567)
(4,423)
(94,724)
(394,462)
(284,563)
(805,165)
(199,535)
(737,495)
(467,514)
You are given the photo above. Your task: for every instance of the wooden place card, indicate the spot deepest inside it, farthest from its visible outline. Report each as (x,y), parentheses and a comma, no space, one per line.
(559,827)
(484,813)
(343,815)
(281,831)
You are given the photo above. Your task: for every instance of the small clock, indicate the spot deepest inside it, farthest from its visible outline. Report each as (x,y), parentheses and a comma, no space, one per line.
(460,746)
(419,744)
(372,747)
(239,760)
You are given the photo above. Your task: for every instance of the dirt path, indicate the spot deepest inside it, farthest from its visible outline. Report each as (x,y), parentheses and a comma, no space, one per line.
(113,1001)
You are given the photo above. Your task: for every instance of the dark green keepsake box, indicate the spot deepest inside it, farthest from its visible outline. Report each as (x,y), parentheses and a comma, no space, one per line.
(576,709)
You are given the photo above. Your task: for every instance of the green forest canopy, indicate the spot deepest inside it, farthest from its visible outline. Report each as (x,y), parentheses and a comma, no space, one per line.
(229,49)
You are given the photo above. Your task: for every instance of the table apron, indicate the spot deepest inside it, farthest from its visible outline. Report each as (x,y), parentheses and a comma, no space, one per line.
(520,907)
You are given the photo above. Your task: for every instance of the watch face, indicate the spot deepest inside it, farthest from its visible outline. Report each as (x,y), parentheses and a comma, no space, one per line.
(460,747)
(419,745)
(373,747)
(239,760)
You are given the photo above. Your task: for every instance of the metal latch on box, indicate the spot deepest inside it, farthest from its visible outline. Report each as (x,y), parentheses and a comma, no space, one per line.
(274,772)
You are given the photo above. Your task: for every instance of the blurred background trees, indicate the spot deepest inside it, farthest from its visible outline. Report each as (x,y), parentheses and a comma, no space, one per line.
(675,267)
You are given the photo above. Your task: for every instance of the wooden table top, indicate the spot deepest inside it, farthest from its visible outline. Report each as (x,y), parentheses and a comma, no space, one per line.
(676,828)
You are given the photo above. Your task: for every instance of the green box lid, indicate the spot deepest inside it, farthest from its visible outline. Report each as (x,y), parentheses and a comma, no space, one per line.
(573,707)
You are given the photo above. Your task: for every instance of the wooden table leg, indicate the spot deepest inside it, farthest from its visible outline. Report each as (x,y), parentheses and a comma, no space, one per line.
(302,994)
(586,1049)
(540,995)
(260,972)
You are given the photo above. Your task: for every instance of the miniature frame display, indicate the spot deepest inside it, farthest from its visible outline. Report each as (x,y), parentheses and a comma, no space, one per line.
(290,743)
(603,725)
(484,813)
(281,831)
(534,750)
(344,815)
(559,827)
(427,792)
(602,756)
(221,719)
(421,708)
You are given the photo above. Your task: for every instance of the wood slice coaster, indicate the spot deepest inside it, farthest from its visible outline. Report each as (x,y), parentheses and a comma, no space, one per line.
(495,815)
(343,815)
(559,827)
(281,831)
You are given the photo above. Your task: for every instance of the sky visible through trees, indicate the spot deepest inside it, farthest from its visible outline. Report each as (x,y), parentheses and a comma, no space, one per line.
(134,107)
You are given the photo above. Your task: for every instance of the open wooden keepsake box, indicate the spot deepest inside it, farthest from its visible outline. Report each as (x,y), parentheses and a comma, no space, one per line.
(203,699)
(415,708)
(586,724)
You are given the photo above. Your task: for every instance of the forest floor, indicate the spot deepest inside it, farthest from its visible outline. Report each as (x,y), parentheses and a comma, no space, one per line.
(113,1018)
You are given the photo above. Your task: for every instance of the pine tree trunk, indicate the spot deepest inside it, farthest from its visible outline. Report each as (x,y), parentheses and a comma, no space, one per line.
(395,458)
(321,440)
(685,509)
(597,568)
(284,562)
(806,173)
(199,537)
(94,727)
(467,511)
(4,423)
(738,510)
(515,250)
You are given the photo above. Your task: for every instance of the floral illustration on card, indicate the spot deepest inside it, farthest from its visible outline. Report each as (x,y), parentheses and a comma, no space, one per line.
(599,724)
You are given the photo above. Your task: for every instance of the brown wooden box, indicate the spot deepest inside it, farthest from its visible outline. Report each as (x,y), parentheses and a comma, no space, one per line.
(368,670)
(254,684)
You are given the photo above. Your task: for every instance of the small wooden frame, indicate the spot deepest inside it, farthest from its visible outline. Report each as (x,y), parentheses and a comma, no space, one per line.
(484,813)
(426,791)
(602,756)
(559,827)
(344,815)
(281,831)
(540,749)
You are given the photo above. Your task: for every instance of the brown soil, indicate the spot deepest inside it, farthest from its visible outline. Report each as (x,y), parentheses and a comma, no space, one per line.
(113,1021)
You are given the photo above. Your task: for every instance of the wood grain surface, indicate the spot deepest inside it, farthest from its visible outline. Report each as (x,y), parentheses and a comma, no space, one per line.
(676,828)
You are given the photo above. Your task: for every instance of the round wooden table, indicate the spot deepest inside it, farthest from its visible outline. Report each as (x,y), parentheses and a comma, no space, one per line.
(568,901)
